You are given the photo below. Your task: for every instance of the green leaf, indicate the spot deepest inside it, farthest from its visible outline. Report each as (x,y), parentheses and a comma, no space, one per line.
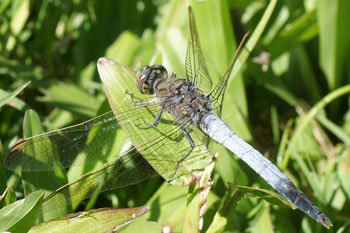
(69,97)
(268,195)
(294,33)
(124,48)
(31,124)
(197,198)
(20,215)
(6,99)
(191,220)
(142,226)
(97,220)
(262,221)
(228,204)
(168,206)
(334,40)
(119,80)
(14,102)
(310,115)
(234,109)
(18,21)
(128,169)
(35,180)
(7,197)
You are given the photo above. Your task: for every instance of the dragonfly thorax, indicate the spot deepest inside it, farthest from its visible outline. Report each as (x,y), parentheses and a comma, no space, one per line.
(182,99)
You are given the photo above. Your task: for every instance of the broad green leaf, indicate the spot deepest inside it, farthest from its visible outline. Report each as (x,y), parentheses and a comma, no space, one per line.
(18,21)
(97,220)
(20,215)
(124,48)
(197,200)
(334,40)
(262,221)
(69,97)
(38,180)
(118,81)
(191,220)
(168,206)
(224,212)
(31,124)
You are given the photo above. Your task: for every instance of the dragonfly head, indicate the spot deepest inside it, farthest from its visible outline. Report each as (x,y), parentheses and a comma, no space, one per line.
(149,76)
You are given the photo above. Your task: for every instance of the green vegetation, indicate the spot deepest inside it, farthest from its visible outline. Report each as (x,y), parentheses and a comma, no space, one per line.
(289,98)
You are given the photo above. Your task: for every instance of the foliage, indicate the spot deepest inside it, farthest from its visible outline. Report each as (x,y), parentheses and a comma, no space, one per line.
(290,100)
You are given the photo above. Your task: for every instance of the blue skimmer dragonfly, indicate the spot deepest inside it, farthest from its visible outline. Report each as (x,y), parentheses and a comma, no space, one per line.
(163,130)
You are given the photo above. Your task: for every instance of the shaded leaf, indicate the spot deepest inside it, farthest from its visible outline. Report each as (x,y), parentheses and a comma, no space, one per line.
(20,215)
(8,98)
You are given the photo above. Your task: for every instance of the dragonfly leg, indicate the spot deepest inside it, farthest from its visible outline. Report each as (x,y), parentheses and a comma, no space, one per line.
(138,103)
(190,140)
(156,121)
(145,103)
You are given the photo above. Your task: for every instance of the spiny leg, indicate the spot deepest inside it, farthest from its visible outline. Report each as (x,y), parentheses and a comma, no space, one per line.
(146,103)
(156,120)
(138,103)
(190,140)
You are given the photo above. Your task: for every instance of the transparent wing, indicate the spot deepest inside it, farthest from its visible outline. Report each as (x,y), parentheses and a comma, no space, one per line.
(127,169)
(81,144)
(196,69)
(217,94)
(161,148)
(130,167)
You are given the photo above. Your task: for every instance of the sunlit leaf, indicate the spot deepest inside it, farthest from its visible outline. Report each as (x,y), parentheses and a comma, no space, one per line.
(97,220)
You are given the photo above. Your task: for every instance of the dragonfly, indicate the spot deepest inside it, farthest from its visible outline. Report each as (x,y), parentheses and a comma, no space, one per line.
(164,131)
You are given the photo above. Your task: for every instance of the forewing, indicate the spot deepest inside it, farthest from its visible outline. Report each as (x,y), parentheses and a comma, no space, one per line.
(196,68)
(160,149)
(85,143)
(162,146)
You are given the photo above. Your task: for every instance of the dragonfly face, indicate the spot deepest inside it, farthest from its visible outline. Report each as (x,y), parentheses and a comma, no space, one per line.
(148,77)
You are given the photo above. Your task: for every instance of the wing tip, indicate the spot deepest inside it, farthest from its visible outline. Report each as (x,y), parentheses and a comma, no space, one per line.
(18,146)
(12,155)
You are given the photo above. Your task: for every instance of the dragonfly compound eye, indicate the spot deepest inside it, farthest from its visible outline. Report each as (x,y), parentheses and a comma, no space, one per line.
(148,77)
(160,70)
(142,80)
